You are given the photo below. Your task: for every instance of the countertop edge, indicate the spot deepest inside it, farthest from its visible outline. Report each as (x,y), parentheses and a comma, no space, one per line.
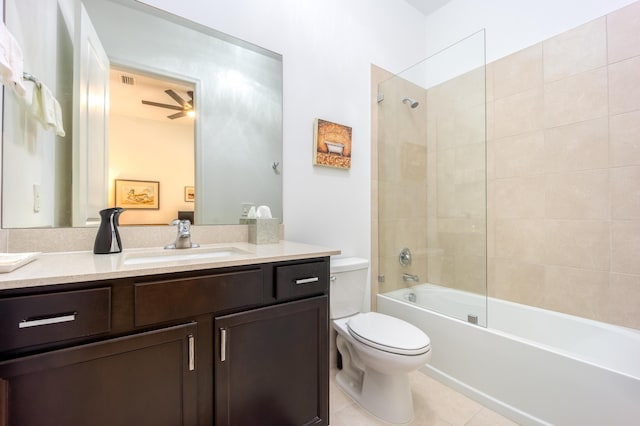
(84,266)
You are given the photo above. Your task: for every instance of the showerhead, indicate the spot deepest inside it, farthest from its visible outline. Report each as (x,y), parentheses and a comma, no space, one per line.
(412,102)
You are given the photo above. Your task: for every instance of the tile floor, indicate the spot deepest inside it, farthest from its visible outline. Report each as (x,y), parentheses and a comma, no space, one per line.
(434,405)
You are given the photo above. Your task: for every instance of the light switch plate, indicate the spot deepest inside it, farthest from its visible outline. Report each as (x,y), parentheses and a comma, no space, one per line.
(36,197)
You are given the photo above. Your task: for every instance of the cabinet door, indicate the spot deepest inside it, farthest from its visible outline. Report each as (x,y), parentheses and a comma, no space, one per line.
(272,365)
(144,379)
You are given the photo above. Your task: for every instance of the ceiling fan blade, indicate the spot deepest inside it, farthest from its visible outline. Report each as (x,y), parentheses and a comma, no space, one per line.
(176,97)
(157,104)
(177,115)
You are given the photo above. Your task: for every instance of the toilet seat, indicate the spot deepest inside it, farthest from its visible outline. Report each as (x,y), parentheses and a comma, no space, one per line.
(388,334)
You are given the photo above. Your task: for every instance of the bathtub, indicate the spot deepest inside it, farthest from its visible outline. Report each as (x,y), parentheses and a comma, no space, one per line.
(535,366)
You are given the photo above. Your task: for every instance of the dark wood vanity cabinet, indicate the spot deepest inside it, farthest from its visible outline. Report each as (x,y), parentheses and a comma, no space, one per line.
(145,379)
(271,365)
(232,346)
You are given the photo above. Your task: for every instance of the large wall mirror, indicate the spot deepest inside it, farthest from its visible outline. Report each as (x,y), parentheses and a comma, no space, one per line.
(160,115)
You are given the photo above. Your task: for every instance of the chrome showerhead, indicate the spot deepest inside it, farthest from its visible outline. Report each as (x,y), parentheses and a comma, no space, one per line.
(412,102)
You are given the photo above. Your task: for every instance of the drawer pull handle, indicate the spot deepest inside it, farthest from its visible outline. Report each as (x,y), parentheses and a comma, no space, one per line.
(192,355)
(307,280)
(223,344)
(35,322)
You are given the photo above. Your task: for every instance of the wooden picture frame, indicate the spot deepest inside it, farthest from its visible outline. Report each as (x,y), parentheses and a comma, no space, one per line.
(331,144)
(189,194)
(137,194)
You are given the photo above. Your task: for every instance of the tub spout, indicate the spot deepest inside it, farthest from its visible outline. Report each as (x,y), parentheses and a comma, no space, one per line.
(409,277)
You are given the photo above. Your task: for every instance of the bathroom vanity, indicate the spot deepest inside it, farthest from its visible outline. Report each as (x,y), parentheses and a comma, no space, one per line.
(237,341)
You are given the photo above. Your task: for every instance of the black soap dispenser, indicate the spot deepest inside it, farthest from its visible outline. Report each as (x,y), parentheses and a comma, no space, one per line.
(108,238)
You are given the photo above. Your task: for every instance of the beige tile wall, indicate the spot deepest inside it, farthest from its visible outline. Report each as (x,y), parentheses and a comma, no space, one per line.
(564,204)
(430,163)
(456,116)
(401,179)
(562,168)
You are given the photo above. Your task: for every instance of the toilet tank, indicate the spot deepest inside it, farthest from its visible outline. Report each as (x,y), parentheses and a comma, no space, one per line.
(348,286)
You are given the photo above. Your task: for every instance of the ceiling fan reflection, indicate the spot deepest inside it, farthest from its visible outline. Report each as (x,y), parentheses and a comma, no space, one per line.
(185,107)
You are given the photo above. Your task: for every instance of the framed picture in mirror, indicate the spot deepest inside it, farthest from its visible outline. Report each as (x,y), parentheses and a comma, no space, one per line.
(137,194)
(189,194)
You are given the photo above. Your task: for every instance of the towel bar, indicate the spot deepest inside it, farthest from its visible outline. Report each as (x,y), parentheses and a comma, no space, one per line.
(29,77)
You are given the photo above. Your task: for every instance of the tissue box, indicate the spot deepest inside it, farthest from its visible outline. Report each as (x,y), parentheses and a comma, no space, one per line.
(264,231)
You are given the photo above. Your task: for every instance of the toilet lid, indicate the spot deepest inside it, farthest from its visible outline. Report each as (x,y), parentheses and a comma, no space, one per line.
(388,334)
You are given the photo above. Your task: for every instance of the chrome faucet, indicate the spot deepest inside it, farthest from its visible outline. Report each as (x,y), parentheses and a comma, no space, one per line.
(183,240)
(409,277)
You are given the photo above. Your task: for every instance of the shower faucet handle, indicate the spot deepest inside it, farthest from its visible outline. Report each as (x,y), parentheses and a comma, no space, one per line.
(405,257)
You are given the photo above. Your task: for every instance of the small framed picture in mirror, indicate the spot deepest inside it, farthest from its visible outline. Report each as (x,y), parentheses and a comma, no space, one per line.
(137,194)
(189,194)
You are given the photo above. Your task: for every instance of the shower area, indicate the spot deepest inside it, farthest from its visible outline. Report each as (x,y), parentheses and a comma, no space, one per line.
(507,225)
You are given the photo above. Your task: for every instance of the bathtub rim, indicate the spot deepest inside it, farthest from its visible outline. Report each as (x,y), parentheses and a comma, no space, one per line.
(529,342)
(629,331)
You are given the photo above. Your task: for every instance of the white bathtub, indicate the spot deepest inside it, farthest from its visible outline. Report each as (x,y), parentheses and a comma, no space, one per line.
(533,365)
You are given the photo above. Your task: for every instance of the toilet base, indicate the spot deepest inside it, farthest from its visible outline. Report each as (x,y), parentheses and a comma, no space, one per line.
(386,396)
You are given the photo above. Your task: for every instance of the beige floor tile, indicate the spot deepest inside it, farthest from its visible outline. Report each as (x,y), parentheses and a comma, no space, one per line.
(434,405)
(487,417)
(354,415)
(444,402)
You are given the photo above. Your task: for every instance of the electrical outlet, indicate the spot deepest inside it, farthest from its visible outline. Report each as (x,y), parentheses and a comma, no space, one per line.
(36,197)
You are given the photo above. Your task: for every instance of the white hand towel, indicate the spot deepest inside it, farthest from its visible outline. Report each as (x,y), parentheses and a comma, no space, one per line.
(11,65)
(46,109)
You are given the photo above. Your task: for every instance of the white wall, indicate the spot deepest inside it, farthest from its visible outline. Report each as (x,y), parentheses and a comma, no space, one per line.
(328,47)
(511,25)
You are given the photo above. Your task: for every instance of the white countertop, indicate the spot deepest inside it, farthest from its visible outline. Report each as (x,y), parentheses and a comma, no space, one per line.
(79,266)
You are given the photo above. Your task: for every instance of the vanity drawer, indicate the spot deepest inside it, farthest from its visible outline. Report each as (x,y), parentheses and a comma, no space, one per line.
(46,318)
(303,279)
(161,301)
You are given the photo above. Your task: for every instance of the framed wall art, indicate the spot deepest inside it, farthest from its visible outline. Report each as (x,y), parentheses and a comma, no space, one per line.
(137,194)
(331,144)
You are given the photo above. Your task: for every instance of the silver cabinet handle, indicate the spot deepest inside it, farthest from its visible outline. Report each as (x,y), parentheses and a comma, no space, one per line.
(223,344)
(307,280)
(46,321)
(192,352)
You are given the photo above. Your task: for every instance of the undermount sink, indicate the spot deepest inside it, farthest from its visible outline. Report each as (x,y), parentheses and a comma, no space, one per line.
(175,255)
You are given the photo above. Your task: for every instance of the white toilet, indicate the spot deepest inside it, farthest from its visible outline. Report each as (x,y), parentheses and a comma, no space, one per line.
(378,351)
